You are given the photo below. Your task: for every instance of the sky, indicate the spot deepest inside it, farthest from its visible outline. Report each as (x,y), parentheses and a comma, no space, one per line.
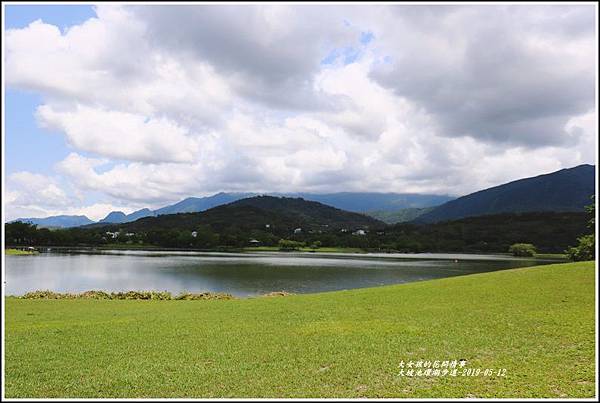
(124,106)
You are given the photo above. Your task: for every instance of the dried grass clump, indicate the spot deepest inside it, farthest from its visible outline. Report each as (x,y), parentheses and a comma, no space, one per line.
(277,294)
(126,295)
(203,296)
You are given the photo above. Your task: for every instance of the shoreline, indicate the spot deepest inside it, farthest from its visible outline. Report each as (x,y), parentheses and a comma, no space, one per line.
(274,249)
(147,295)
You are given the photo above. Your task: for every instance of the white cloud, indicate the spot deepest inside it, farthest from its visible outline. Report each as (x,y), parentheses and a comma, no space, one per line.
(30,188)
(161,103)
(121,135)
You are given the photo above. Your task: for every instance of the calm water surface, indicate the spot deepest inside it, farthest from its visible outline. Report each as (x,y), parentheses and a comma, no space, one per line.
(243,274)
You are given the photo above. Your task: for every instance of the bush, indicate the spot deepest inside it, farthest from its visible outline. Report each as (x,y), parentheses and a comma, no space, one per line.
(285,244)
(522,249)
(586,250)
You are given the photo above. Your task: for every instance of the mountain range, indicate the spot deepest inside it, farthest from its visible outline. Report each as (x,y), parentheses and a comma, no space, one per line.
(349,201)
(58,221)
(562,191)
(279,215)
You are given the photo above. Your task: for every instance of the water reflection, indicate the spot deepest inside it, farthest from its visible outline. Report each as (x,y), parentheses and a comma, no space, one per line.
(239,274)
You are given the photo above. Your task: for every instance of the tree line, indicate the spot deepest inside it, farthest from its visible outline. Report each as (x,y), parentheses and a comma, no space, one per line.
(550,232)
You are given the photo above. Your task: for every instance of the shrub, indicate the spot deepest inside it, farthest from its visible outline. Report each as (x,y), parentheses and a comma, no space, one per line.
(585,250)
(522,249)
(285,244)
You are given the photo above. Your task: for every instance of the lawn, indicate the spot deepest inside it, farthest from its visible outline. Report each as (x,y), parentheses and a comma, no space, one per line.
(535,323)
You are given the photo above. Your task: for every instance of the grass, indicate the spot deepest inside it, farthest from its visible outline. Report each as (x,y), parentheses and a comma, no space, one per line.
(551,256)
(19,252)
(537,323)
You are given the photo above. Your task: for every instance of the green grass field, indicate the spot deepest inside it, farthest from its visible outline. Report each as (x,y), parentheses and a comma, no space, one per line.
(536,323)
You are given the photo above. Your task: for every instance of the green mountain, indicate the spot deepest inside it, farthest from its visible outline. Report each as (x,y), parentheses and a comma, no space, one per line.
(278,215)
(350,201)
(197,204)
(563,190)
(398,216)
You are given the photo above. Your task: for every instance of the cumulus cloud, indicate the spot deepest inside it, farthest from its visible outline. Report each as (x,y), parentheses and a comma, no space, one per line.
(268,53)
(121,135)
(31,188)
(497,74)
(164,102)
(37,195)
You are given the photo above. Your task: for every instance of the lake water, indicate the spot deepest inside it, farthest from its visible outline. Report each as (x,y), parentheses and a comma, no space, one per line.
(242,274)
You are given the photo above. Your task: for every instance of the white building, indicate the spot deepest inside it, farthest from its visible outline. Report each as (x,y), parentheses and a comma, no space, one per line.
(297,230)
(359,232)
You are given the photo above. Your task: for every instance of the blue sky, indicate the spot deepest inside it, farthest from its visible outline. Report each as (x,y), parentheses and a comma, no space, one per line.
(63,16)
(28,146)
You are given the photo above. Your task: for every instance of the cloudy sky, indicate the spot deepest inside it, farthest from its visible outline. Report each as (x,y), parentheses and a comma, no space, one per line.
(115,107)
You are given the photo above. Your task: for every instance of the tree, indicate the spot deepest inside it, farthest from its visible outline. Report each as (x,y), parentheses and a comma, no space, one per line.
(522,249)
(586,247)
(286,244)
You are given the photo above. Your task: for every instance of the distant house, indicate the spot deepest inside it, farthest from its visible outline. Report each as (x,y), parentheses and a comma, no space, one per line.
(254,242)
(194,234)
(130,234)
(267,225)
(343,230)
(112,234)
(297,230)
(359,232)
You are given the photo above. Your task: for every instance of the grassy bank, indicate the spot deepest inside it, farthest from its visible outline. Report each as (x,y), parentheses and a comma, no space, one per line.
(305,249)
(536,323)
(557,256)
(19,252)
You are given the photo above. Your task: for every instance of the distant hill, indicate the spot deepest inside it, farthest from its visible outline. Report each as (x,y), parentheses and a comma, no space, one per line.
(59,221)
(117,217)
(114,217)
(403,215)
(197,204)
(364,202)
(136,215)
(560,191)
(279,215)
(350,201)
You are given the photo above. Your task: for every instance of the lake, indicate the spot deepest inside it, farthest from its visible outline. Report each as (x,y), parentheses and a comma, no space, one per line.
(240,274)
